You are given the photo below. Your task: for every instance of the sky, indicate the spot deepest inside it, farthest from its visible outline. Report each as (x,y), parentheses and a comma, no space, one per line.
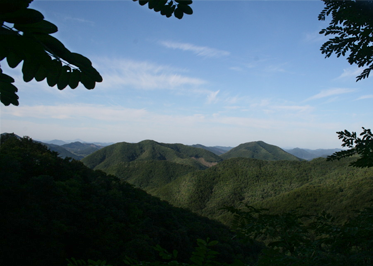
(233,72)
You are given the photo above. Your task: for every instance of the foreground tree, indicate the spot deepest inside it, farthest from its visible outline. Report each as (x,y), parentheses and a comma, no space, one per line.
(26,36)
(363,147)
(352,24)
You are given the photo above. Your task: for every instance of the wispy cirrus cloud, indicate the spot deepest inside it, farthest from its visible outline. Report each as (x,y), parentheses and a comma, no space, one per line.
(365,97)
(330,92)
(349,73)
(198,50)
(70,111)
(212,97)
(293,108)
(314,37)
(143,75)
(80,20)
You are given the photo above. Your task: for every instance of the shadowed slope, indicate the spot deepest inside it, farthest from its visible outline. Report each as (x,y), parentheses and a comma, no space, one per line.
(54,208)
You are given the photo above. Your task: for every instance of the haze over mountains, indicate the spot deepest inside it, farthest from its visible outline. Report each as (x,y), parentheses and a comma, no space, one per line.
(79,149)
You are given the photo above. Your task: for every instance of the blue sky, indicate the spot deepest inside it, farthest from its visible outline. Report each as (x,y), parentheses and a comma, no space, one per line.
(233,72)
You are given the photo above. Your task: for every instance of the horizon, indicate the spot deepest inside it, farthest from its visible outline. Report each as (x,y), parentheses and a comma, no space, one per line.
(111,143)
(231,73)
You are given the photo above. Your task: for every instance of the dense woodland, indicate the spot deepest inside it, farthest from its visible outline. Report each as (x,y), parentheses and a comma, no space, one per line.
(56,209)
(280,185)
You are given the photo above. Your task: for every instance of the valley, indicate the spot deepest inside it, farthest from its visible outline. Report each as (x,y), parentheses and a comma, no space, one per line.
(281,183)
(167,194)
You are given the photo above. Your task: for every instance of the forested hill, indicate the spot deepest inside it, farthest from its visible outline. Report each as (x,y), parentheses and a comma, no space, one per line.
(259,150)
(315,185)
(53,209)
(149,150)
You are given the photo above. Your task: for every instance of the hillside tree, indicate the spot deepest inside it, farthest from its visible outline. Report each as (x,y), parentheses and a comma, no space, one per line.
(26,36)
(352,26)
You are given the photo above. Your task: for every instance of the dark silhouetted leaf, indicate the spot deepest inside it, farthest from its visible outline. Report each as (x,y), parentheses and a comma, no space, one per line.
(178,13)
(14,59)
(87,81)
(54,72)
(22,16)
(74,78)
(29,69)
(39,27)
(63,80)
(41,73)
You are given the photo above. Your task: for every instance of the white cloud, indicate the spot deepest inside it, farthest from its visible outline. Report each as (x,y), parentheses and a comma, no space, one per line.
(314,37)
(143,75)
(80,20)
(112,123)
(70,112)
(330,92)
(294,108)
(198,50)
(276,68)
(211,98)
(351,72)
(365,97)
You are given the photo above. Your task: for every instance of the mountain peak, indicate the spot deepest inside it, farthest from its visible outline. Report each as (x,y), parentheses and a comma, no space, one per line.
(259,150)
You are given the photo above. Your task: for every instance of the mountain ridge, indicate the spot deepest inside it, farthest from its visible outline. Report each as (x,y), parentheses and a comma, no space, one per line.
(150,150)
(259,150)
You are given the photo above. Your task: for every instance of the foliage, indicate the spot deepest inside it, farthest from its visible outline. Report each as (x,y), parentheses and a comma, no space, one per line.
(358,146)
(203,255)
(26,36)
(279,185)
(352,24)
(296,239)
(167,8)
(54,208)
(149,175)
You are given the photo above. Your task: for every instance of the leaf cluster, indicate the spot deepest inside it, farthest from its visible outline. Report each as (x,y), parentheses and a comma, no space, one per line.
(26,37)
(169,8)
(352,24)
(363,147)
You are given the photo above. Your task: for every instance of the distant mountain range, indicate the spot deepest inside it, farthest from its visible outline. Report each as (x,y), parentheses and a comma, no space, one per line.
(256,149)
(308,154)
(61,142)
(218,150)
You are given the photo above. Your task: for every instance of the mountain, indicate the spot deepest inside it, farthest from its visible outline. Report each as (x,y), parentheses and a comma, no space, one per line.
(62,152)
(55,142)
(218,150)
(316,185)
(308,154)
(81,149)
(55,209)
(149,150)
(259,150)
(149,175)
(5,136)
